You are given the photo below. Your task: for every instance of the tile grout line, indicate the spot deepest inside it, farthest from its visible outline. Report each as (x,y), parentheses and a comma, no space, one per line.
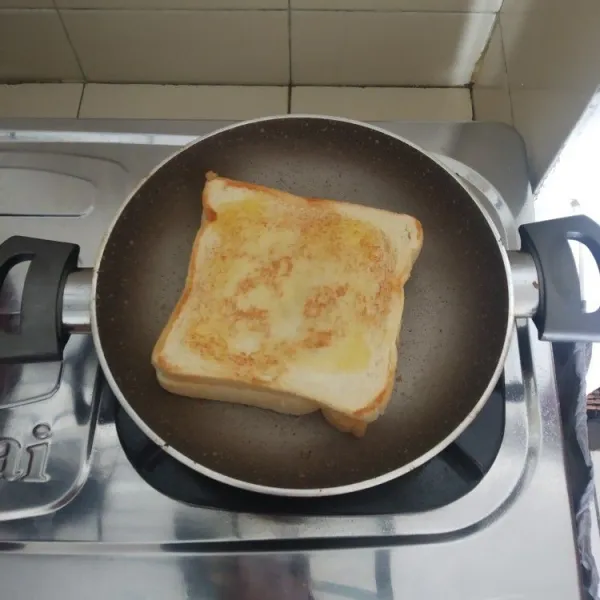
(505,64)
(81,99)
(352,86)
(82,9)
(472,101)
(243,10)
(289,95)
(75,54)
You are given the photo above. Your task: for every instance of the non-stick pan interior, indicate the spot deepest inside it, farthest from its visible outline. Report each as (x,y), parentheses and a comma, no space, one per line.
(454,324)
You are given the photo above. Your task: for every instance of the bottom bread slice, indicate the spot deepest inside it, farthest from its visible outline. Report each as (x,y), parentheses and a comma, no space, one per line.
(278,401)
(357,425)
(242,393)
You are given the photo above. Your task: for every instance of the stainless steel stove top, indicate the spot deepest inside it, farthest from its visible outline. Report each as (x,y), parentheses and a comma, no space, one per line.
(76,518)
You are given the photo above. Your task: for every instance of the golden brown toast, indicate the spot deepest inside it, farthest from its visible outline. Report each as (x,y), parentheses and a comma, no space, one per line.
(290,304)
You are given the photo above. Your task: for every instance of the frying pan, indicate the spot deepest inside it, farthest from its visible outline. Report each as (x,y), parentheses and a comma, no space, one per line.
(458,317)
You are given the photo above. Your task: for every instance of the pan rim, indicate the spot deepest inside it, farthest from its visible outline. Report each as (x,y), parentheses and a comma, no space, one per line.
(303,492)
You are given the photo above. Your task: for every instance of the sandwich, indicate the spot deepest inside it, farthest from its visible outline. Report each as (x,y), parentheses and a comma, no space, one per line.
(290,304)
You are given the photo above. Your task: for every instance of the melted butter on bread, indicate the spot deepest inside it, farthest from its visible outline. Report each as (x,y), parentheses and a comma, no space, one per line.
(287,285)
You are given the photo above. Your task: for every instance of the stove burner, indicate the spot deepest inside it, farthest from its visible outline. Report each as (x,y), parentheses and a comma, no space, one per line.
(444,479)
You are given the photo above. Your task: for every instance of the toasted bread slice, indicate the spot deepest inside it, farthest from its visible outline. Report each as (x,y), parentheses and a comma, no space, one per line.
(290,304)
(357,424)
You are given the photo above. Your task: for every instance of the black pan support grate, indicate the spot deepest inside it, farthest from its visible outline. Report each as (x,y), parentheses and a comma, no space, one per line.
(442,480)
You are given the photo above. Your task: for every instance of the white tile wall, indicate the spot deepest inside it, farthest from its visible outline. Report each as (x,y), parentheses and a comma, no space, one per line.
(384,104)
(491,95)
(182,101)
(554,49)
(387,48)
(491,71)
(358,42)
(523,6)
(34,46)
(181,46)
(229,102)
(404,5)
(547,65)
(40,100)
(173,4)
(26,4)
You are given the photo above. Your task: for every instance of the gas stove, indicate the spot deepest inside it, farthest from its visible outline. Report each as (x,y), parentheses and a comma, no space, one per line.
(99,511)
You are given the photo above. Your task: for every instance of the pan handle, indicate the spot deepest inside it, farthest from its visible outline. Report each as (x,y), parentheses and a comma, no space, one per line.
(559,317)
(41,337)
